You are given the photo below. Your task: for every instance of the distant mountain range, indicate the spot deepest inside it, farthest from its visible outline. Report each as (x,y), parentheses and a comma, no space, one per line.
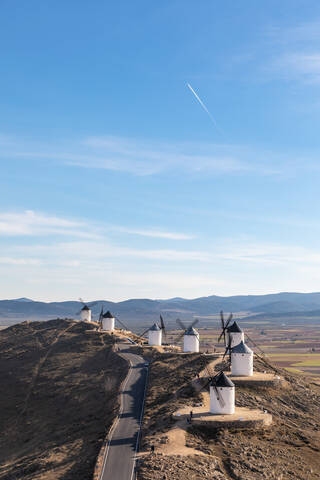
(142,311)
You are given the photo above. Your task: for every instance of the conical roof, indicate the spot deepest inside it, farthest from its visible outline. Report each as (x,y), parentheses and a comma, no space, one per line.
(155,327)
(241,348)
(85,308)
(234,328)
(191,331)
(108,315)
(222,381)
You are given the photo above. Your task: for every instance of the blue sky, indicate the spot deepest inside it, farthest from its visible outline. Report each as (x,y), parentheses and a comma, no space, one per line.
(114,181)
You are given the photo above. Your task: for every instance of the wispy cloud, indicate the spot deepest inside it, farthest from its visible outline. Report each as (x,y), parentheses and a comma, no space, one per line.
(300,34)
(148,157)
(32,223)
(154,233)
(95,264)
(85,251)
(294,52)
(303,66)
(19,261)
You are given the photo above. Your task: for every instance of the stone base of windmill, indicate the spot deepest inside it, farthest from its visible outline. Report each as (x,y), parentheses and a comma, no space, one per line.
(242,418)
(258,379)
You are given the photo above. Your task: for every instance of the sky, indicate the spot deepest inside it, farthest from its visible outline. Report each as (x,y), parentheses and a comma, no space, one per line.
(116,182)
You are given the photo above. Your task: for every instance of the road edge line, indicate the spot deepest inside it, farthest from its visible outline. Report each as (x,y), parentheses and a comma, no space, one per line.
(98,473)
(140,422)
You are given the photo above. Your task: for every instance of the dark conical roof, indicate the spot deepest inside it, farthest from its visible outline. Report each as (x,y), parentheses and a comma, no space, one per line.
(234,328)
(222,381)
(108,315)
(85,308)
(155,327)
(241,348)
(191,331)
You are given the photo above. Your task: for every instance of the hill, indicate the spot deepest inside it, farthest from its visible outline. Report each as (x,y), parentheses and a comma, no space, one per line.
(59,395)
(286,450)
(139,312)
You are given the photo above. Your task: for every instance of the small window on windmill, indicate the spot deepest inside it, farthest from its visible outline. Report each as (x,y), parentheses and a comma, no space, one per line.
(221,389)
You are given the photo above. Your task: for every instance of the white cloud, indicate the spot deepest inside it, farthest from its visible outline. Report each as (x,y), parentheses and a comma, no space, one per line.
(154,233)
(147,157)
(301,65)
(87,251)
(38,224)
(298,35)
(293,52)
(30,223)
(19,261)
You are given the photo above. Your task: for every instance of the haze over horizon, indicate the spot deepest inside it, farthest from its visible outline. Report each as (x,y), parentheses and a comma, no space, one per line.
(116,183)
(162,299)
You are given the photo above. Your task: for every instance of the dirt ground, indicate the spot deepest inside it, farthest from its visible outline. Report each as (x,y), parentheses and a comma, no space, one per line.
(59,395)
(289,449)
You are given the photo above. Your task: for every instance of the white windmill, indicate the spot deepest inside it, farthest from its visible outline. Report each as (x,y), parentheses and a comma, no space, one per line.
(155,333)
(235,334)
(241,360)
(232,334)
(191,338)
(85,312)
(107,321)
(222,395)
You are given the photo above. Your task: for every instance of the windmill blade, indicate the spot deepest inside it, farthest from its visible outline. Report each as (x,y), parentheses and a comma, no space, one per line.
(92,304)
(228,349)
(223,333)
(163,328)
(122,324)
(229,320)
(181,324)
(162,323)
(224,326)
(101,315)
(206,385)
(140,336)
(178,338)
(222,319)
(194,323)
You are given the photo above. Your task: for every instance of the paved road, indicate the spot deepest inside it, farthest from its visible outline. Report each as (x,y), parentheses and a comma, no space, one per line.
(119,461)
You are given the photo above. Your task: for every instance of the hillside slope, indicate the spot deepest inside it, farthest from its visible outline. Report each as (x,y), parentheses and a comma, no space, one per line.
(287,450)
(59,388)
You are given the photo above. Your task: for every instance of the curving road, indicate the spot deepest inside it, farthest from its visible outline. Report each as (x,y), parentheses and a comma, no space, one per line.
(119,460)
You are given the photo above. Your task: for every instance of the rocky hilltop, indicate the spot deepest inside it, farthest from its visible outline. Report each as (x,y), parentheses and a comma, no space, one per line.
(59,395)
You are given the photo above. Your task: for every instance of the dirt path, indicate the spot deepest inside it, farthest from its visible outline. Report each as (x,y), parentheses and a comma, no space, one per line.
(175,441)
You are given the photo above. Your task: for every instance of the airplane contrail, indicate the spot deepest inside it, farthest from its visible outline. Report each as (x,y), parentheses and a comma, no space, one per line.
(204,107)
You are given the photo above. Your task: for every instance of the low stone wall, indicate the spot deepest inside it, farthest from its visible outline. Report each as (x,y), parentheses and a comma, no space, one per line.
(238,424)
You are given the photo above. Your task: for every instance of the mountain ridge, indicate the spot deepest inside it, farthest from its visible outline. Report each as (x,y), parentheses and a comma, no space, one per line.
(143,309)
